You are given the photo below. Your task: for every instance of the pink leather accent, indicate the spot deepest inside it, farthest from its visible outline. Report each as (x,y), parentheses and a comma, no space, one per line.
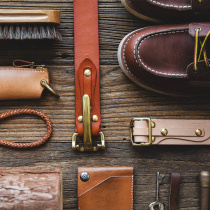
(180,132)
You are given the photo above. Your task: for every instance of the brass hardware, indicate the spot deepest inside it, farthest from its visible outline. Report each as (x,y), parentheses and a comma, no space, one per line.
(153,124)
(164,132)
(80,119)
(87,138)
(87,122)
(95,118)
(151,138)
(87,72)
(32,65)
(46,85)
(198,132)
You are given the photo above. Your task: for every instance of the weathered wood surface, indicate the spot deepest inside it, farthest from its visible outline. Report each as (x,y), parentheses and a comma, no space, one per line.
(31,188)
(120,101)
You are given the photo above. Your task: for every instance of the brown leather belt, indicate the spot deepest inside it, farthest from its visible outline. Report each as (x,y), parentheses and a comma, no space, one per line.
(87,78)
(174,192)
(146,131)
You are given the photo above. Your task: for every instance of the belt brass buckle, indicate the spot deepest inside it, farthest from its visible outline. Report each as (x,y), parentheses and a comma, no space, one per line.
(87,130)
(149,131)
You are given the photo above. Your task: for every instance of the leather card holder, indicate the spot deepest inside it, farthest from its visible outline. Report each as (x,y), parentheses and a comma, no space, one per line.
(105,188)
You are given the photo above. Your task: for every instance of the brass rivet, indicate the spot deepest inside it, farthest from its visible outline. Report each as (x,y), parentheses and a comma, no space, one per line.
(164,132)
(153,124)
(87,73)
(80,119)
(95,118)
(198,132)
(153,138)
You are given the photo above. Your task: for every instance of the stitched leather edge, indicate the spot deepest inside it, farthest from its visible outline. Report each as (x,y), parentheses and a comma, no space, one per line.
(169,5)
(103,182)
(141,63)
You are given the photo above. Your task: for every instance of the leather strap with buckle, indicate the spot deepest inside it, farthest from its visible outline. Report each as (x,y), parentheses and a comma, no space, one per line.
(146,132)
(87,78)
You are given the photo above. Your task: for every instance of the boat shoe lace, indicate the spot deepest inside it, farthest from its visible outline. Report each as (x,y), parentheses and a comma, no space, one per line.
(197,56)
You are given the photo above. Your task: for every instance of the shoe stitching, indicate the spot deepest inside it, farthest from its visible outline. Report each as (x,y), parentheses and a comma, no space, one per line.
(134,54)
(124,55)
(166,5)
(140,60)
(170,5)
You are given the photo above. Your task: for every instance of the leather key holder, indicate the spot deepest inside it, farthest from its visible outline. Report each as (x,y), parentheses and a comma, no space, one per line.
(24,80)
(87,78)
(146,132)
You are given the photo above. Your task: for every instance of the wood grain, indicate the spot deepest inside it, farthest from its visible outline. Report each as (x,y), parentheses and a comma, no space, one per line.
(121,100)
(31,188)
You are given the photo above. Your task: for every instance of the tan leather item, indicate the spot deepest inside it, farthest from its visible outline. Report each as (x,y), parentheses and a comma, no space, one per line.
(29,16)
(87,75)
(105,188)
(22,83)
(174,193)
(146,131)
(204,190)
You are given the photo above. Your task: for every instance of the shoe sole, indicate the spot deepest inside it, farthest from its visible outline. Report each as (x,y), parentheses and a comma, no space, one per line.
(119,53)
(139,15)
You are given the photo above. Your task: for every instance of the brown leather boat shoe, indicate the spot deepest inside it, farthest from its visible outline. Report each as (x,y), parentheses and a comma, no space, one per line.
(168,10)
(168,59)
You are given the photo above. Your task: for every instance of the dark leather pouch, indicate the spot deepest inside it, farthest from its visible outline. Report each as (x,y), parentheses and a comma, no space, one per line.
(105,188)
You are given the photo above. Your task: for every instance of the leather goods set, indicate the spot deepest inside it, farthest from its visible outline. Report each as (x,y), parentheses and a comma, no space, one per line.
(25,80)
(169,59)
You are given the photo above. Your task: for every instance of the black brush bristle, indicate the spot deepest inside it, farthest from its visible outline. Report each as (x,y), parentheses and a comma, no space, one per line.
(26,31)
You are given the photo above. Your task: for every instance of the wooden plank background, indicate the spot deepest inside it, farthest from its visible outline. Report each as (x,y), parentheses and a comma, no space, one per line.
(120,101)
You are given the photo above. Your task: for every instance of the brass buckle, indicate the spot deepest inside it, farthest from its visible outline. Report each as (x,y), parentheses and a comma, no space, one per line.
(149,129)
(87,130)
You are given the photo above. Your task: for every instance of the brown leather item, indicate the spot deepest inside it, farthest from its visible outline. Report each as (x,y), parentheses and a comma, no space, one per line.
(163,58)
(146,131)
(29,112)
(174,193)
(204,190)
(168,10)
(87,75)
(22,83)
(105,188)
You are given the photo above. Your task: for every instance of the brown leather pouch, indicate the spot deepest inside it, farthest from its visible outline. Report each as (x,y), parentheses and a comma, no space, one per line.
(23,81)
(105,188)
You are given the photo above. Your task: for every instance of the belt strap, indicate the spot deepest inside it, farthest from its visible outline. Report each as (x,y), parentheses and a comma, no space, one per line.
(87,83)
(146,131)
(174,194)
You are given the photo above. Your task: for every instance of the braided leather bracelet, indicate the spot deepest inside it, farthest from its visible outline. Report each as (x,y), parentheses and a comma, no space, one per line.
(31,112)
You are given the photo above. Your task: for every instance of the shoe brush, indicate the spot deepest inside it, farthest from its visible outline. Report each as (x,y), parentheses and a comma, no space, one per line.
(29,24)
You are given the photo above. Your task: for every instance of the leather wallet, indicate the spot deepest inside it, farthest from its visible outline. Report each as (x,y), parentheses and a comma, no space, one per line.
(23,80)
(105,188)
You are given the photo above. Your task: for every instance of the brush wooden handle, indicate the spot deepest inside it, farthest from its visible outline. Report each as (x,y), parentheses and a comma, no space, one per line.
(204,190)
(29,16)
